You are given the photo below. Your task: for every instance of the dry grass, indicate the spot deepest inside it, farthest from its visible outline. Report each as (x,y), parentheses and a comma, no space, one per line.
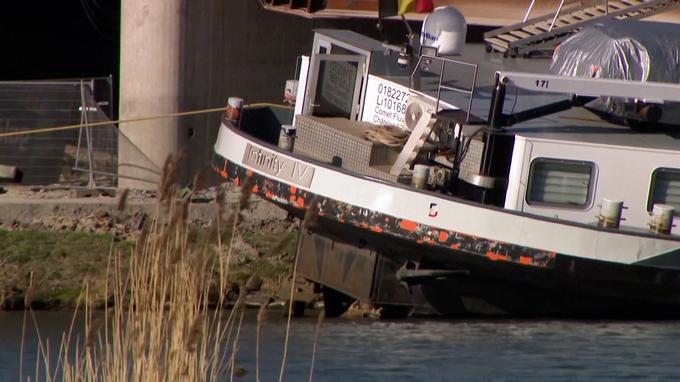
(319,321)
(160,323)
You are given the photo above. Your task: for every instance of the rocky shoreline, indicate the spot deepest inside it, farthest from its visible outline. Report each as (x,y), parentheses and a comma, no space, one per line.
(61,237)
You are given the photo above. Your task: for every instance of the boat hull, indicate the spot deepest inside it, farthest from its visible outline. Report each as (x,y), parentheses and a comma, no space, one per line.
(488,278)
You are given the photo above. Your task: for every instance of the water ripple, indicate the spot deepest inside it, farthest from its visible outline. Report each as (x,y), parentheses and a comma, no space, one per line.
(436,350)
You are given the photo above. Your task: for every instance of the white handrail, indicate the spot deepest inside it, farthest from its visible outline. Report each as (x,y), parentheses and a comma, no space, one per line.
(526,15)
(559,9)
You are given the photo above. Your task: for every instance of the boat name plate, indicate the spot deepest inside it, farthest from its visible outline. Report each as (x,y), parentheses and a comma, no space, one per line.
(290,170)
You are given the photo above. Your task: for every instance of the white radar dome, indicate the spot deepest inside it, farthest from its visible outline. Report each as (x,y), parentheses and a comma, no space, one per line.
(444,29)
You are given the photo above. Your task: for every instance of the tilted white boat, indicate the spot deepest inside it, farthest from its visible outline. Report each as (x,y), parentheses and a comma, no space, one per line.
(532,206)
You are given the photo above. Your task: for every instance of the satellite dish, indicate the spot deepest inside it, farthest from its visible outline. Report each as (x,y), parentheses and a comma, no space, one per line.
(445,29)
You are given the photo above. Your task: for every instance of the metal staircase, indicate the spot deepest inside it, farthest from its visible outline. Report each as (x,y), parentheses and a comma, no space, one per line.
(542,34)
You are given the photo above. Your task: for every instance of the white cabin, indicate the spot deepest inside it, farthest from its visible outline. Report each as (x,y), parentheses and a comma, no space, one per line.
(561,166)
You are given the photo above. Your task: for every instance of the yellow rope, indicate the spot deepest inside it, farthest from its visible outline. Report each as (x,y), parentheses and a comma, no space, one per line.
(387,135)
(139,119)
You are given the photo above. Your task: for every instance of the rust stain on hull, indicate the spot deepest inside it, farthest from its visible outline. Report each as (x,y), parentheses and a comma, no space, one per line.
(379,223)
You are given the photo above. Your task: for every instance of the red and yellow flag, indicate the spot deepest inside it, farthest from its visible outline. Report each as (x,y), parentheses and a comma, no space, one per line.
(419,6)
(389,8)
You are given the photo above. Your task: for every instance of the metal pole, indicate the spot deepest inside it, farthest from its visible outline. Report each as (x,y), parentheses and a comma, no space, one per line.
(556,15)
(472,95)
(298,69)
(88,137)
(495,121)
(439,88)
(526,15)
(80,131)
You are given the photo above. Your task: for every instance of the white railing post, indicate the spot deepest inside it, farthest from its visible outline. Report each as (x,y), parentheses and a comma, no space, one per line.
(526,15)
(556,15)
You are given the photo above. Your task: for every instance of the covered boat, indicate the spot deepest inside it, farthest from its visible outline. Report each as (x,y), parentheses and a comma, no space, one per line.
(626,50)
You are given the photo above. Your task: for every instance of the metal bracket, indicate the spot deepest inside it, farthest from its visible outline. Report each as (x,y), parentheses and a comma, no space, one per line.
(415,141)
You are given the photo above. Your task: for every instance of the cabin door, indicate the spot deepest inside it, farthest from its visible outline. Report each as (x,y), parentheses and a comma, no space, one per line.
(334,85)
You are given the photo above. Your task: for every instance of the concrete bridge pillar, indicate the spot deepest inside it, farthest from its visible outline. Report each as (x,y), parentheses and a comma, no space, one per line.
(150,62)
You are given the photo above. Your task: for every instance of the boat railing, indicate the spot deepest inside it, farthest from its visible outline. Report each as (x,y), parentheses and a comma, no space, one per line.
(424,63)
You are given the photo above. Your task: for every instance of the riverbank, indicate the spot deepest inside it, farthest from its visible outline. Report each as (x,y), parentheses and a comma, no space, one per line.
(58,238)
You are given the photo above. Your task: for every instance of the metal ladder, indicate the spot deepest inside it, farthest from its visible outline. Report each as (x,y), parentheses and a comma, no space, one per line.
(542,34)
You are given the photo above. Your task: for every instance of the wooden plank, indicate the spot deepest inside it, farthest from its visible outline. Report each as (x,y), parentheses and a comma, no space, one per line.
(497,43)
(520,34)
(594,11)
(588,13)
(507,37)
(532,30)
(616,5)
(543,25)
(583,15)
(631,2)
(562,22)
(356,5)
(570,19)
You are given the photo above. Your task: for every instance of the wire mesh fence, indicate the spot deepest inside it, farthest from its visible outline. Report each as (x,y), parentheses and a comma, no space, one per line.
(75,157)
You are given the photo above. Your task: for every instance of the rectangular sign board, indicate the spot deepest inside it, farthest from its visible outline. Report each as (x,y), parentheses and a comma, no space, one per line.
(385,102)
(290,170)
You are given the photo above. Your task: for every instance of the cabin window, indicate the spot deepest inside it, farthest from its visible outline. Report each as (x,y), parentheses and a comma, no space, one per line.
(560,183)
(665,188)
(335,89)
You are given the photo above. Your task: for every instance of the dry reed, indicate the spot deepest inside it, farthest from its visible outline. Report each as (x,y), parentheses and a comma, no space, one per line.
(319,321)
(159,324)
(310,222)
(122,200)
(260,328)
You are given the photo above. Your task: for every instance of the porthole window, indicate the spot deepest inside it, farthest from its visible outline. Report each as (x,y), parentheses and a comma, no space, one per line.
(560,183)
(665,188)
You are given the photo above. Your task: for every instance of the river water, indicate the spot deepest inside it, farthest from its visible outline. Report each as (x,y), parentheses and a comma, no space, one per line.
(425,350)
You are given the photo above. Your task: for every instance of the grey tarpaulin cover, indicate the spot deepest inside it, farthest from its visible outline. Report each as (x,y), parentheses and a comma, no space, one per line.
(627,50)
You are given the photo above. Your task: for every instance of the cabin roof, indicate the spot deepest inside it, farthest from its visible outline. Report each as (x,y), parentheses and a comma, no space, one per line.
(352,38)
(581,126)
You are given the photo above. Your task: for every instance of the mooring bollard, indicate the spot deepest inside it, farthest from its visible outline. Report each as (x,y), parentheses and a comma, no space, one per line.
(662,218)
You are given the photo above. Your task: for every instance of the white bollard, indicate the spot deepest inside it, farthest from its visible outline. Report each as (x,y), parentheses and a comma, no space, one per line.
(234,105)
(610,213)
(662,218)
(287,137)
(420,175)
